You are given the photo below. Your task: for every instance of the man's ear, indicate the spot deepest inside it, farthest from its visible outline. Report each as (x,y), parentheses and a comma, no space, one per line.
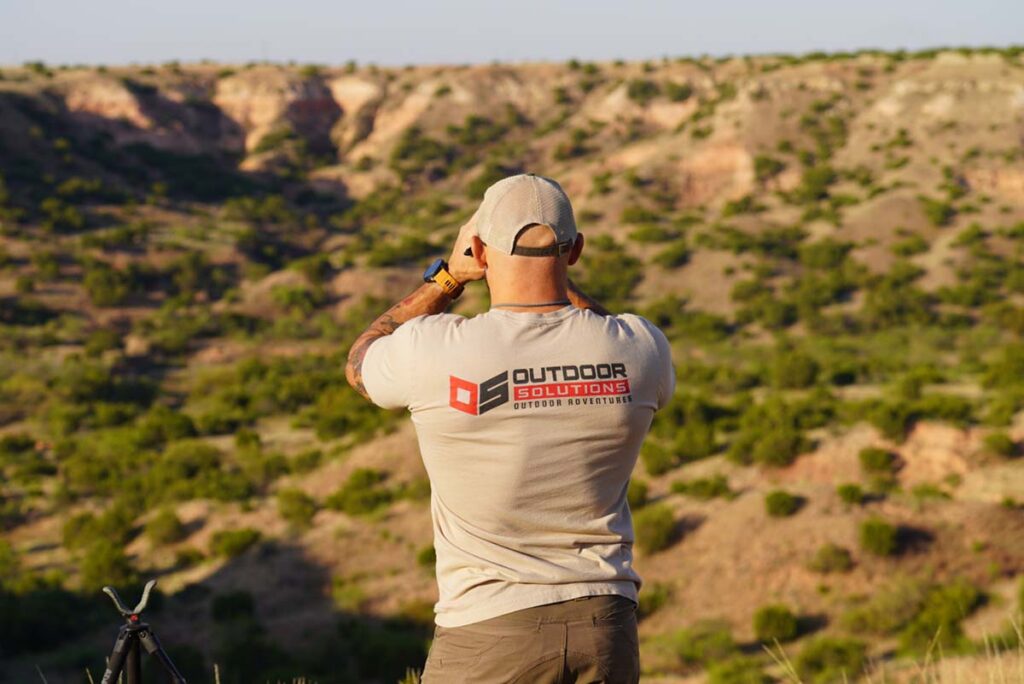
(577,248)
(479,256)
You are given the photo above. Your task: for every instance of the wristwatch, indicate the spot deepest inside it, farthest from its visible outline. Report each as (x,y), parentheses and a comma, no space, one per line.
(437,272)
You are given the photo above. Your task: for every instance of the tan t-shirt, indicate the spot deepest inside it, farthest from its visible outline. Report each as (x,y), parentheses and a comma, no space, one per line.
(529,425)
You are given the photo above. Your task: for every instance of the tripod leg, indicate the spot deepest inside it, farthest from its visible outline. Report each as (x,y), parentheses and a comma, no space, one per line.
(153,647)
(134,663)
(117,657)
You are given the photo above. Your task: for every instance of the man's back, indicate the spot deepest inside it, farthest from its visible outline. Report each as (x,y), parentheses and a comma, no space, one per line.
(529,426)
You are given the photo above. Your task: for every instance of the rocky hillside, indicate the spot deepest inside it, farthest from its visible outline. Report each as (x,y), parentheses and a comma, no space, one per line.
(833,243)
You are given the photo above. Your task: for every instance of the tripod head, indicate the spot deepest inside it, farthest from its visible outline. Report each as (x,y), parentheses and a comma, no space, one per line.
(132,615)
(131,638)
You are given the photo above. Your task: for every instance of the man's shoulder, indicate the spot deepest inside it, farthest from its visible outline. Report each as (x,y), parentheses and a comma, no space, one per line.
(636,323)
(431,323)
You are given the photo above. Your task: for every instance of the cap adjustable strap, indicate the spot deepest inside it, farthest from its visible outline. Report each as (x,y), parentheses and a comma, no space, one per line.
(557,249)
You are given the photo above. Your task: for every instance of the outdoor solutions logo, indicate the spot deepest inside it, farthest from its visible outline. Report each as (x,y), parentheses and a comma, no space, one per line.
(545,387)
(477,399)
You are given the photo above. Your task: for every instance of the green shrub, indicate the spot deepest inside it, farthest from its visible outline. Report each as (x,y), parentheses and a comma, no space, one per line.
(652,597)
(642,91)
(655,528)
(657,459)
(766,168)
(232,543)
(674,255)
(938,624)
(737,670)
(780,504)
(794,370)
(190,469)
(831,558)
(826,660)
(105,563)
(636,494)
(878,537)
(1000,444)
(102,340)
(704,643)
(938,212)
(775,623)
(361,494)
(704,488)
(876,461)
(296,507)
(426,557)
(850,493)
(769,433)
(107,286)
(678,92)
(611,273)
(165,527)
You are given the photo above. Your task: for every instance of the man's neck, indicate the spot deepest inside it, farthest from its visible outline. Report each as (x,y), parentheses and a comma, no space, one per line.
(536,297)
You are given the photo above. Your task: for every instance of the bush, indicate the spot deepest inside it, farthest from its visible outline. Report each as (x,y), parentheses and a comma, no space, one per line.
(794,370)
(831,659)
(361,494)
(875,461)
(296,507)
(652,597)
(105,563)
(737,670)
(831,558)
(775,623)
(654,527)
(769,433)
(938,624)
(1000,444)
(780,504)
(678,92)
(657,459)
(427,557)
(704,488)
(165,527)
(636,494)
(939,213)
(704,643)
(673,256)
(850,493)
(642,91)
(878,537)
(232,543)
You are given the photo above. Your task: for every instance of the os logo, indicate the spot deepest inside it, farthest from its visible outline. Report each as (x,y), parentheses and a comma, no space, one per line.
(474,399)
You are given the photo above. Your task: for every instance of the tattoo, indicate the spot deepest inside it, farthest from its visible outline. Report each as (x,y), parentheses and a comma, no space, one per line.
(427,299)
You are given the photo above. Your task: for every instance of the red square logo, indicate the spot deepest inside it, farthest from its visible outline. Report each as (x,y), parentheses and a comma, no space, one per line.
(462,395)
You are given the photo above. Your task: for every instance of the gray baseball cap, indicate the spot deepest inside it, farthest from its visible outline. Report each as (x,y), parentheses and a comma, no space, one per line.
(515,202)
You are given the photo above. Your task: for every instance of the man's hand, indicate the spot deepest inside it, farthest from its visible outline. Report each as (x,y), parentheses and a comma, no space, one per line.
(465,268)
(427,299)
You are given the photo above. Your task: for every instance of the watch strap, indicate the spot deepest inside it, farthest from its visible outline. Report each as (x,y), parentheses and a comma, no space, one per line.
(449,284)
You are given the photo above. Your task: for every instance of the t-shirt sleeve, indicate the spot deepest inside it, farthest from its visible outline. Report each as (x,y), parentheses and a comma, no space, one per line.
(663,368)
(388,367)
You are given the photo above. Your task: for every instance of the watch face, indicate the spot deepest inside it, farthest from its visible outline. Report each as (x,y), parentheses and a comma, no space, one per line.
(432,270)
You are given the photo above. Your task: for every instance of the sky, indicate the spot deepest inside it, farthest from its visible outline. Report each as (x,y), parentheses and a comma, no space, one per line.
(396,33)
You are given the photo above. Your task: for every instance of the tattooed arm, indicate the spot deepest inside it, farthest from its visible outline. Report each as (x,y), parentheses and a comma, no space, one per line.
(426,299)
(583,301)
(429,298)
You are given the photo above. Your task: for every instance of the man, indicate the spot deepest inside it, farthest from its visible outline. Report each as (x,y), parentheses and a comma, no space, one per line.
(529,418)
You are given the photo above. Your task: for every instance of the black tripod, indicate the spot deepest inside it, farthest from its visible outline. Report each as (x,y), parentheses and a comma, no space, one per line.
(131,635)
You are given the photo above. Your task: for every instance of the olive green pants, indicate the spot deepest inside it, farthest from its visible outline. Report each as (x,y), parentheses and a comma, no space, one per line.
(589,640)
